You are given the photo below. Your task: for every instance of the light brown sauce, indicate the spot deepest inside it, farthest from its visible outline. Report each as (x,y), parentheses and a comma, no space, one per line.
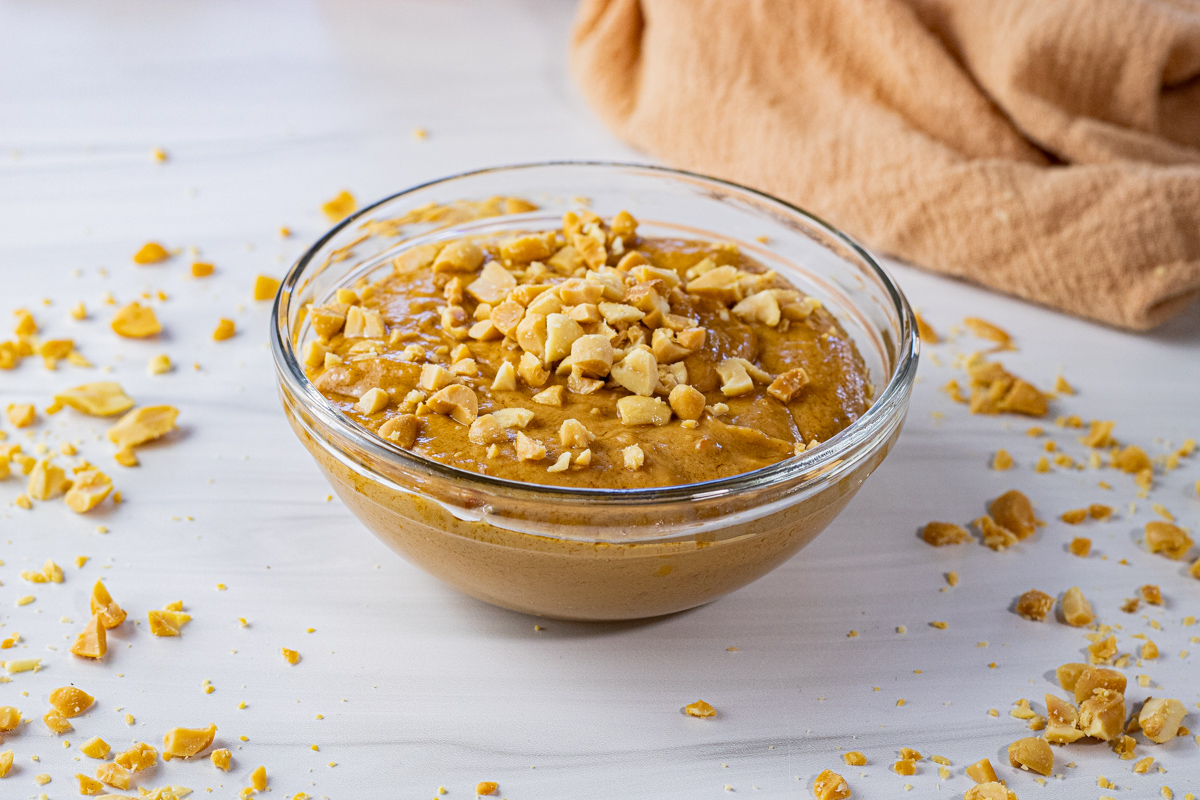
(757,430)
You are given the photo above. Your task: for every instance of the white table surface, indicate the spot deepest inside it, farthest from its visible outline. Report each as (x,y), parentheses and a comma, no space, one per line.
(266,110)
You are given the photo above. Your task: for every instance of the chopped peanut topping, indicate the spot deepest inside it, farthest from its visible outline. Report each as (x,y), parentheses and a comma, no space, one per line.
(513,417)
(373,401)
(550,397)
(529,449)
(572,434)
(581,321)
(686,402)
(135,321)
(637,410)
(735,379)
(634,457)
(457,402)
(638,372)
(506,378)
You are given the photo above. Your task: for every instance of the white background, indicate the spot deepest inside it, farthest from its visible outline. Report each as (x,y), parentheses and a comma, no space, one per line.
(268,109)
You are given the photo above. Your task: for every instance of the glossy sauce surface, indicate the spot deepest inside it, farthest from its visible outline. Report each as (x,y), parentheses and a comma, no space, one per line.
(736,434)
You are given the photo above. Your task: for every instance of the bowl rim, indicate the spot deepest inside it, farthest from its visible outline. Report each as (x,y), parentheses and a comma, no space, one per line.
(809,466)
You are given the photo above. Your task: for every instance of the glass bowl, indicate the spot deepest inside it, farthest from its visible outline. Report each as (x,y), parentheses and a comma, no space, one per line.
(601,554)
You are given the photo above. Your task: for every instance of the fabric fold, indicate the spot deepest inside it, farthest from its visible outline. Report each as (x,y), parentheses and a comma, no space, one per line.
(1049,150)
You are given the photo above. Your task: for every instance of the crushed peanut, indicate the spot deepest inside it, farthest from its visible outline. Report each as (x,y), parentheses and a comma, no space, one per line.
(1076,610)
(136,321)
(187,742)
(1032,754)
(1168,539)
(1034,605)
(265,287)
(151,253)
(830,786)
(1160,718)
(225,329)
(341,206)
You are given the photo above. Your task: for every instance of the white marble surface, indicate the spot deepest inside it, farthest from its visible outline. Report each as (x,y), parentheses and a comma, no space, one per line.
(266,110)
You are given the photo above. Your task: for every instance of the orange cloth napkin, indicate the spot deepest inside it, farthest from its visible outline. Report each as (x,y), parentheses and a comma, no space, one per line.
(1049,149)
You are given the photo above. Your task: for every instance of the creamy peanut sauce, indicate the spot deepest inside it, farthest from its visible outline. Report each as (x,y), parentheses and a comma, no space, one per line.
(647,362)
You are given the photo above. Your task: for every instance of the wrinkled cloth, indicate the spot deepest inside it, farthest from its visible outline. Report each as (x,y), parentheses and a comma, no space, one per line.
(1048,149)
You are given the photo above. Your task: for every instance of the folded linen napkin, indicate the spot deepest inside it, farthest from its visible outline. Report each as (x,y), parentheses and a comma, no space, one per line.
(1049,149)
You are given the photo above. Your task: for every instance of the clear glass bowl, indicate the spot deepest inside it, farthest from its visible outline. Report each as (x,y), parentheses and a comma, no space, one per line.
(602,554)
